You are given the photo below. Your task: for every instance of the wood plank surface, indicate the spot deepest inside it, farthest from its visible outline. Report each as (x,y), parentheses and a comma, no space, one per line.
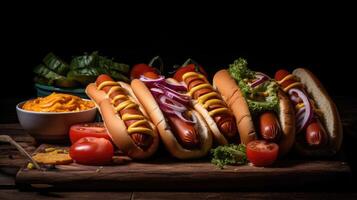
(151,174)
(240,195)
(169,174)
(15,194)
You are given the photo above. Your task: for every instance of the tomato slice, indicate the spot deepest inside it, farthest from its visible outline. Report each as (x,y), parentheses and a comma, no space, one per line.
(92,151)
(78,131)
(188,68)
(262,153)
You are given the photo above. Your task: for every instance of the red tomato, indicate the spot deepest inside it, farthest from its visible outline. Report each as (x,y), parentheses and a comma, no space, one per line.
(92,151)
(78,131)
(140,69)
(152,75)
(188,68)
(262,153)
(280,74)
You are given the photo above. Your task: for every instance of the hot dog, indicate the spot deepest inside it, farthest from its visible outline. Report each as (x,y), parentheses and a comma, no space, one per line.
(261,109)
(269,126)
(211,106)
(127,123)
(181,128)
(319,129)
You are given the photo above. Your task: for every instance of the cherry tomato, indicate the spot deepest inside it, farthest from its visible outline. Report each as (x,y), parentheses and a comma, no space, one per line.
(78,131)
(188,68)
(92,151)
(140,69)
(262,153)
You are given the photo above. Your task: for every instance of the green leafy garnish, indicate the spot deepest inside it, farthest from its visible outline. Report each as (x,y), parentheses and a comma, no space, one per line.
(82,70)
(229,155)
(42,71)
(96,61)
(55,64)
(261,98)
(87,60)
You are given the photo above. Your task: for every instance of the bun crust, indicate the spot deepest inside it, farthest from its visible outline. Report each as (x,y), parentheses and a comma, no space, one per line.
(330,119)
(234,98)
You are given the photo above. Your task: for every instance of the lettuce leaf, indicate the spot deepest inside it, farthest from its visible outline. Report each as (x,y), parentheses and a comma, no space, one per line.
(261,98)
(229,155)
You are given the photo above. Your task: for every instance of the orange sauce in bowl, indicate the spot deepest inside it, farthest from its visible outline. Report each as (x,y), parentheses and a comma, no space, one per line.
(58,102)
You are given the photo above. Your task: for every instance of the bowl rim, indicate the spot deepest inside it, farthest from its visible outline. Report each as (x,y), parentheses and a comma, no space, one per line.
(52,113)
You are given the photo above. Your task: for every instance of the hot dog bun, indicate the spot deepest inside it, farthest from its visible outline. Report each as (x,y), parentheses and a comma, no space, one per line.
(287,123)
(167,136)
(218,136)
(330,118)
(233,96)
(115,125)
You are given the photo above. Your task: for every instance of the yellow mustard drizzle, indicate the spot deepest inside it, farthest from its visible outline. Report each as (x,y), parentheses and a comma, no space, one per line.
(211,98)
(198,87)
(126,104)
(299,106)
(289,77)
(292,85)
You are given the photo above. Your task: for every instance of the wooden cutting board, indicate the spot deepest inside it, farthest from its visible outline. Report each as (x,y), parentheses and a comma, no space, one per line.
(164,173)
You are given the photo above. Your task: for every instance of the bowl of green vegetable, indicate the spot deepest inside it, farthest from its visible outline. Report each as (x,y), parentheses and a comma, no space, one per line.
(45,90)
(56,75)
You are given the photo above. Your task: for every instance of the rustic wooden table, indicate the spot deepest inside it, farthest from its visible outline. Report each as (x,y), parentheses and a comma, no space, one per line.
(11,161)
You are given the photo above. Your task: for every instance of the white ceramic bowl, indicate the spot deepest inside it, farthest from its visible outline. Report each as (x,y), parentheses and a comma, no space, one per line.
(52,126)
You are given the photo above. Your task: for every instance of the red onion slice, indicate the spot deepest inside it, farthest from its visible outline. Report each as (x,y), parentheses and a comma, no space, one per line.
(260,78)
(302,119)
(156,92)
(300,112)
(149,81)
(192,121)
(182,98)
(172,104)
(176,86)
(295,99)
(262,74)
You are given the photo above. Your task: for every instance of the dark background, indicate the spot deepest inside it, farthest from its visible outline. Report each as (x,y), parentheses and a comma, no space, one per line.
(320,39)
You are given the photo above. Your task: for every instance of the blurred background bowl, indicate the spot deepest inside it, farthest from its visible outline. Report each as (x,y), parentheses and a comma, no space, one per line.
(52,126)
(45,90)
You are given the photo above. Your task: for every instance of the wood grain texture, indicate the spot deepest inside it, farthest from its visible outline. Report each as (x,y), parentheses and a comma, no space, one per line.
(239,195)
(170,174)
(14,194)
